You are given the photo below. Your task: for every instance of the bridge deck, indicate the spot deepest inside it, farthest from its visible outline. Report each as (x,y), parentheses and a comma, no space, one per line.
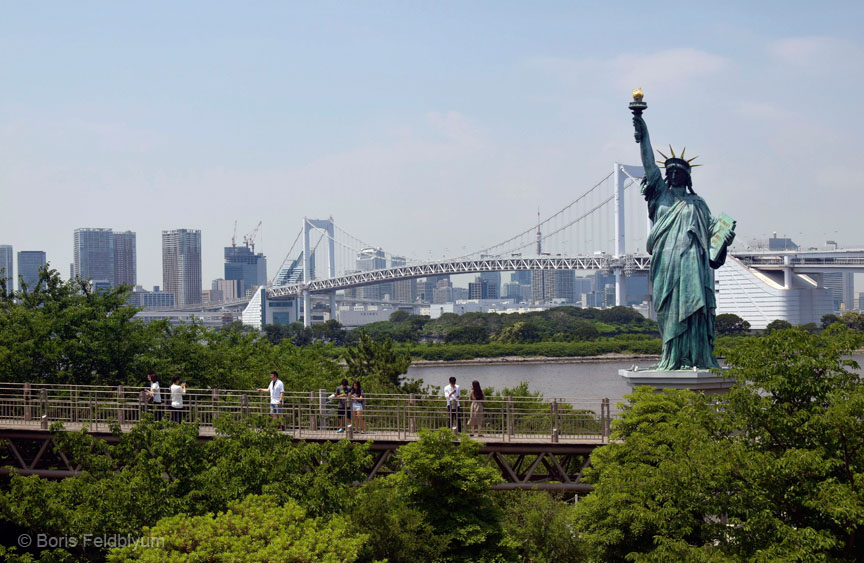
(536,443)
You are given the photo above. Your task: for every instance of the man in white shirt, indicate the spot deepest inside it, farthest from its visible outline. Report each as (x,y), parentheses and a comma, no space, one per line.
(451,395)
(277,390)
(177,391)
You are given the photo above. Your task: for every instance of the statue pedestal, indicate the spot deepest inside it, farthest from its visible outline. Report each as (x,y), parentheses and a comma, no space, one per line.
(698,380)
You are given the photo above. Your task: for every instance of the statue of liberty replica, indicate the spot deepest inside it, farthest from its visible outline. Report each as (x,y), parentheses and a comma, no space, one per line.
(686,244)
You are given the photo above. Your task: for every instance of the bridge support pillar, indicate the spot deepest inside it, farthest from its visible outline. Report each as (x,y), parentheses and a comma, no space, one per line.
(787,272)
(307,308)
(620,289)
(332,297)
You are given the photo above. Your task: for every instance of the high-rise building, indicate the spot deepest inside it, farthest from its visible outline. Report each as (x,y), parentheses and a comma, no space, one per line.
(538,286)
(94,256)
(6,270)
(480,289)
(403,290)
(181,265)
(443,292)
(292,272)
(493,281)
(547,285)
(125,259)
(373,259)
(227,288)
(246,267)
(426,288)
(29,264)
(521,277)
(842,286)
(106,258)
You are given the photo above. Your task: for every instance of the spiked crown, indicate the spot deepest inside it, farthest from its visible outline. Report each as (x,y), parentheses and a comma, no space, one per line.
(677,161)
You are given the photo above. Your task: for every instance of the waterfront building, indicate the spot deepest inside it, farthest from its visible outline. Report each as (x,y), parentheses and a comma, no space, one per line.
(156,299)
(760,297)
(94,256)
(125,259)
(842,286)
(181,265)
(6,268)
(29,264)
(208,319)
(245,267)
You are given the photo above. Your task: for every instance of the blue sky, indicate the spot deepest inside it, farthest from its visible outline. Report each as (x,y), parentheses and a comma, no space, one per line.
(421,127)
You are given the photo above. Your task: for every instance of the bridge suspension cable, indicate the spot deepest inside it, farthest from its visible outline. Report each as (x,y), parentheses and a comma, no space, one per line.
(288,257)
(489,249)
(364,245)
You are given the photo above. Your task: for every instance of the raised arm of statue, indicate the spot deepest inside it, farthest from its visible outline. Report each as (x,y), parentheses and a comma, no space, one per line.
(644,141)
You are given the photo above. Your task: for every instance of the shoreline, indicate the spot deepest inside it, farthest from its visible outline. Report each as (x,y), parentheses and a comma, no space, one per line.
(507,360)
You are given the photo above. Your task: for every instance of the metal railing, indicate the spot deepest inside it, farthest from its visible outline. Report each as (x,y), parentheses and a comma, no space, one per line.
(316,414)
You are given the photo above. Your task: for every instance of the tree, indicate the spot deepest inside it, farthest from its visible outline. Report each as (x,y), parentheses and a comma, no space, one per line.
(444,477)
(730,323)
(853,320)
(329,331)
(398,530)
(63,332)
(161,469)
(521,332)
(368,357)
(586,332)
(539,527)
(467,335)
(829,319)
(399,316)
(768,472)
(777,324)
(254,529)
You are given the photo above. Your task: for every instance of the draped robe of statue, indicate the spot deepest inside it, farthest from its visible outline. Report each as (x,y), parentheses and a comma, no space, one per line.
(682,273)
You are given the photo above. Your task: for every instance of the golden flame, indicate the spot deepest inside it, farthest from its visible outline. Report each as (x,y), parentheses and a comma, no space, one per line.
(637,94)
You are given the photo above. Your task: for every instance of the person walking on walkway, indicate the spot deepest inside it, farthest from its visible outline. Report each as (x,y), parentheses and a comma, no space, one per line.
(277,392)
(475,420)
(451,395)
(343,413)
(177,391)
(154,396)
(357,403)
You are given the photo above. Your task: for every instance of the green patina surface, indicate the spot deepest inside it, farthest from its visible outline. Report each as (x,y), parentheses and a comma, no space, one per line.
(682,258)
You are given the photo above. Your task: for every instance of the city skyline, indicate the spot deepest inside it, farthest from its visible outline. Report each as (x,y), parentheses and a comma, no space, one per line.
(404,122)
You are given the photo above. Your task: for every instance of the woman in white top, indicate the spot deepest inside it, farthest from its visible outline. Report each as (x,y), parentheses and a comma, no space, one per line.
(155,396)
(177,391)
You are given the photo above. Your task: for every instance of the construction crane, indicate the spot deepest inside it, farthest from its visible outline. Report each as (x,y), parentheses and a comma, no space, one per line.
(249,239)
(234,236)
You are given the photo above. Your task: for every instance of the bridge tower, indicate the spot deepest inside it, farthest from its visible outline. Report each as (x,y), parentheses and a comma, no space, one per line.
(328,227)
(620,173)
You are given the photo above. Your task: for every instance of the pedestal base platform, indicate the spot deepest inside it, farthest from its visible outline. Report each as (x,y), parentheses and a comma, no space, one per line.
(698,380)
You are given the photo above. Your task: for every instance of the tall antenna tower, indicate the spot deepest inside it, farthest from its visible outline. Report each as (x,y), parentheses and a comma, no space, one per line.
(539,237)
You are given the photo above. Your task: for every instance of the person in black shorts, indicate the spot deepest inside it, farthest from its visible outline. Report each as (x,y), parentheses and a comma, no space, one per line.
(343,413)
